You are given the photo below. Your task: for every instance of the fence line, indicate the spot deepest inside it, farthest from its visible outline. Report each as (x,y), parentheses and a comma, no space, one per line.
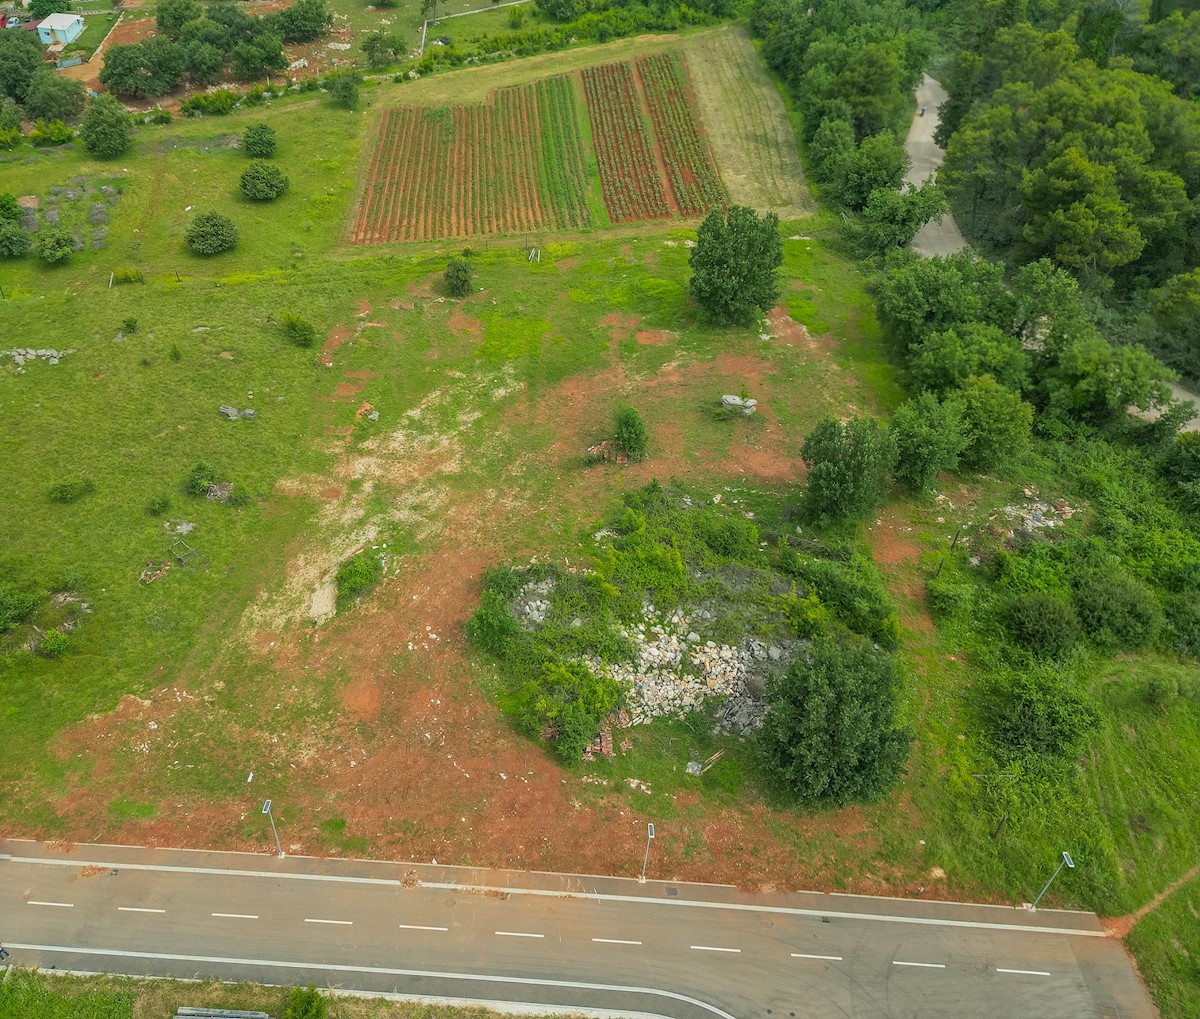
(462,14)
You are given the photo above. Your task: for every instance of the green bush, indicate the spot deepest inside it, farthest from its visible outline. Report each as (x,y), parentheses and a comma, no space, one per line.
(1183,623)
(806,616)
(945,596)
(264,182)
(298,329)
(216,104)
(457,277)
(1165,689)
(160,116)
(53,644)
(1043,624)
(199,479)
(1116,611)
(124,274)
(15,605)
(49,132)
(210,233)
(14,241)
(629,434)
(71,491)
(54,246)
(305,1003)
(852,590)
(158,506)
(129,326)
(569,703)
(259,141)
(849,468)
(357,575)
(1037,713)
(343,89)
(107,129)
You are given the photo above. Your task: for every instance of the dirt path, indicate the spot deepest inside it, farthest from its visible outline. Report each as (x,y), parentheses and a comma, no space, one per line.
(1120,926)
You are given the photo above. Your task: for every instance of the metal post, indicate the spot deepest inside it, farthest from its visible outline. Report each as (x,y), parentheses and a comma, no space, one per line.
(267,810)
(1066,862)
(646,859)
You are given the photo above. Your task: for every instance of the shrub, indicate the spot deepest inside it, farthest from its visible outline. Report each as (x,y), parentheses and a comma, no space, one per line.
(216,104)
(570,702)
(1043,624)
(263,182)
(160,116)
(1037,713)
(14,241)
(831,732)
(298,330)
(49,132)
(124,274)
(53,644)
(457,278)
(107,127)
(15,605)
(259,141)
(945,596)
(305,1003)
(199,479)
(849,468)
(158,506)
(66,492)
(1165,689)
(210,233)
(357,575)
(1116,611)
(344,90)
(129,326)
(54,246)
(852,590)
(629,434)
(10,208)
(930,436)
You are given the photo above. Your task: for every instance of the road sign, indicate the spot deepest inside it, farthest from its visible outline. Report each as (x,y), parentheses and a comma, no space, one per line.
(650,830)
(267,807)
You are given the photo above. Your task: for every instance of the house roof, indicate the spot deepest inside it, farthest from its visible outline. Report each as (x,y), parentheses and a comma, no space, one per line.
(59,21)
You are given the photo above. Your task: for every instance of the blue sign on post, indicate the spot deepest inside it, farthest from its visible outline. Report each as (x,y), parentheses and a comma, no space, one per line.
(267,807)
(650,829)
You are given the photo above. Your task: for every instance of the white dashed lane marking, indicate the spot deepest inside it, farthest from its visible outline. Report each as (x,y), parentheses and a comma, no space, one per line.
(827,958)
(920,965)
(138,909)
(710,948)
(420,927)
(615,941)
(1024,972)
(237,916)
(518,934)
(61,905)
(343,923)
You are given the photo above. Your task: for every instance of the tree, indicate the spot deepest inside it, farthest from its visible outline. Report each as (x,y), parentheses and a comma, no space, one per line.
(880,162)
(263,182)
(305,1003)
(1095,382)
(1177,311)
(344,90)
(40,9)
(892,218)
(629,434)
(945,360)
(382,49)
(848,468)
(998,422)
(127,72)
(54,245)
(53,97)
(10,208)
(205,62)
(457,277)
(21,57)
(259,140)
(930,436)
(167,61)
(255,59)
(210,233)
(14,241)
(832,143)
(830,733)
(171,15)
(107,127)
(304,21)
(735,264)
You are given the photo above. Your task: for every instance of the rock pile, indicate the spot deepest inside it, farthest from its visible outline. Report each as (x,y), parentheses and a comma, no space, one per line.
(24,354)
(531,604)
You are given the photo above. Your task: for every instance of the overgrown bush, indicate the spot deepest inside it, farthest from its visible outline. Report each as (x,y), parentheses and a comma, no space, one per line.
(1043,624)
(629,434)
(210,233)
(160,116)
(158,506)
(199,479)
(1038,713)
(343,89)
(305,1003)
(14,241)
(125,274)
(568,703)
(15,605)
(1116,611)
(357,575)
(1166,688)
(259,141)
(457,277)
(216,104)
(263,182)
(54,245)
(831,732)
(946,596)
(849,468)
(66,492)
(49,132)
(852,590)
(53,644)
(107,129)
(298,329)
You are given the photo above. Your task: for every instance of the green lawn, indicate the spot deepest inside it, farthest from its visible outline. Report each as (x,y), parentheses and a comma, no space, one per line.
(96,27)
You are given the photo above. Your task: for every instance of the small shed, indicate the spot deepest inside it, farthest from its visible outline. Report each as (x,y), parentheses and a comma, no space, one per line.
(60,28)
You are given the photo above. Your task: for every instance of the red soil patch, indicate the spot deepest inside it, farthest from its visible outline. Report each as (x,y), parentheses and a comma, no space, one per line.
(620,324)
(332,492)
(337,336)
(364,308)
(362,698)
(343,390)
(464,324)
(655,337)
(1120,926)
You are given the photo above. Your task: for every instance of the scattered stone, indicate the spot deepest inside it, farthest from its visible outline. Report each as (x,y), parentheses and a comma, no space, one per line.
(99,236)
(219,491)
(29,221)
(98,213)
(229,412)
(373,416)
(51,217)
(249,414)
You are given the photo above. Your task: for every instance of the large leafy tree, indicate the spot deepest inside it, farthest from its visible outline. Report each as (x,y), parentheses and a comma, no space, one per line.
(831,734)
(735,264)
(304,21)
(21,57)
(44,8)
(171,15)
(945,360)
(849,468)
(1094,381)
(53,97)
(998,422)
(891,218)
(930,436)
(880,162)
(107,129)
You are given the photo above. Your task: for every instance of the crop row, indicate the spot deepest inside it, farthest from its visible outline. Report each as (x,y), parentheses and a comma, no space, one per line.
(564,176)
(629,178)
(686,156)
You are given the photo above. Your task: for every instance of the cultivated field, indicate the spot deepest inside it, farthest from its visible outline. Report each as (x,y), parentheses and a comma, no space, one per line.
(535,156)
(747,124)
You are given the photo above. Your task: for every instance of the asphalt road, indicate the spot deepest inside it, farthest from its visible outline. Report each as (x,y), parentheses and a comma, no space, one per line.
(687,951)
(942,236)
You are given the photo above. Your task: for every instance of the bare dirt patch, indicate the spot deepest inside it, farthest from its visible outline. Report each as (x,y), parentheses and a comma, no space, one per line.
(362,698)
(656,337)
(620,324)
(337,336)
(463,324)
